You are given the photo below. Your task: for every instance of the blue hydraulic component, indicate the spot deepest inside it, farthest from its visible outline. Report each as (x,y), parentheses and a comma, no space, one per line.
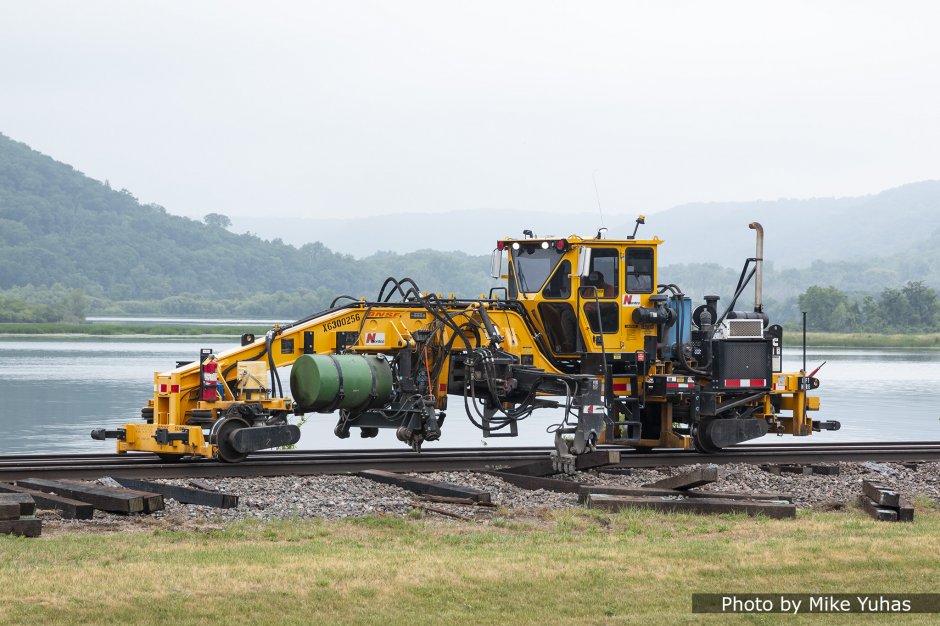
(681,331)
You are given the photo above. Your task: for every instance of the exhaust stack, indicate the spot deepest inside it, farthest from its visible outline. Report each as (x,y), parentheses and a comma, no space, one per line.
(758,267)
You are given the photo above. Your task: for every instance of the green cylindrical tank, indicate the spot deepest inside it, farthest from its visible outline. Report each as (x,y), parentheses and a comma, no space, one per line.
(326,382)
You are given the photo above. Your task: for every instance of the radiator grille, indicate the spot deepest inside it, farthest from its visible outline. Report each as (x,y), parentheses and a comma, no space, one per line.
(740,359)
(752,329)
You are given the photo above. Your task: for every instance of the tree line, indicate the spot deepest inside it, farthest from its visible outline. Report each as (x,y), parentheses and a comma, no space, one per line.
(911,308)
(70,306)
(62,231)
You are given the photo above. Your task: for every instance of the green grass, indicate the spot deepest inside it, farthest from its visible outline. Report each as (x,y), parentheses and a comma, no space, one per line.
(125,329)
(814,339)
(864,340)
(581,567)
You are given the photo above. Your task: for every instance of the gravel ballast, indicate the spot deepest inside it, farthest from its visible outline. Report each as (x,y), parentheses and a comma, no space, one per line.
(331,497)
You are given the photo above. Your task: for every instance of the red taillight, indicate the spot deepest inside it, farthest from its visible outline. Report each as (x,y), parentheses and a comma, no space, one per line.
(162,388)
(561,245)
(500,245)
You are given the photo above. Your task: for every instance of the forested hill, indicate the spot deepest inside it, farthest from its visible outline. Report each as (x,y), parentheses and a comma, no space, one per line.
(60,230)
(71,245)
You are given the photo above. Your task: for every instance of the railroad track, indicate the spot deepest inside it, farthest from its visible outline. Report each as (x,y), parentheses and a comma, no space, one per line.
(275,463)
(304,462)
(754,454)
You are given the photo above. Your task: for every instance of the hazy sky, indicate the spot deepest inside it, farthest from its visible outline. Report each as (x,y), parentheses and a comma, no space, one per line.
(355,108)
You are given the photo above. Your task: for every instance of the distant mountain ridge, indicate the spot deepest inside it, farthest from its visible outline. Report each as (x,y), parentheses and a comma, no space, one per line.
(798,232)
(62,230)
(473,231)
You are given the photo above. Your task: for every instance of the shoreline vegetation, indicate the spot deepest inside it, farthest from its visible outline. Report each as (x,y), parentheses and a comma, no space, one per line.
(128,329)
(792,336)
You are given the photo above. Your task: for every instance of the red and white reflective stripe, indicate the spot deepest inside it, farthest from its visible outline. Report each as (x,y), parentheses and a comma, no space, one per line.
(678,382)
(746,382)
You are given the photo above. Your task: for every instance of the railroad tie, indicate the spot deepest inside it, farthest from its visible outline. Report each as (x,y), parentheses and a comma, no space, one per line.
(183,495)
(536,482)
(797,468)
(103,498)
(591,490)
(67,507)
(424,486)
(25,501)
(679,504)
(591,460)
(688,480)
(17,515)
(884,503)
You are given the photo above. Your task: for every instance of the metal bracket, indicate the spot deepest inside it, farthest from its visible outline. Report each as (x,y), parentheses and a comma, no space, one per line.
(164,437)
(100,434)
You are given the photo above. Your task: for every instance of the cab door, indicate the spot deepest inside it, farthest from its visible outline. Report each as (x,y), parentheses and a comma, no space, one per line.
(557,313)
(599,296)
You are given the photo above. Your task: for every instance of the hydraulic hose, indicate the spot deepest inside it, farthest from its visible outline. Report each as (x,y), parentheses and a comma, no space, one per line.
(275,377)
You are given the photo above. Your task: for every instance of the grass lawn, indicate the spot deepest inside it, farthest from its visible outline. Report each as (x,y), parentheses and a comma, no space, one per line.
(793,338)
(583,567)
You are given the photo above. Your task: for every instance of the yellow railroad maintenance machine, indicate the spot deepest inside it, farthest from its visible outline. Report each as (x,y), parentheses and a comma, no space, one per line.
(582,326)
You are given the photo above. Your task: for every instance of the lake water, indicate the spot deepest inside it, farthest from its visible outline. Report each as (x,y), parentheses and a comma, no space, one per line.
(54,391)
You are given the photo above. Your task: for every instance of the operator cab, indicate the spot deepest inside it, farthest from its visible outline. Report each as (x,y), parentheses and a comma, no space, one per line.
(581,293)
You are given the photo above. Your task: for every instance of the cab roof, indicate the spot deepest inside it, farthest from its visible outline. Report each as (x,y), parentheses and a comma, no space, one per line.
(583,241)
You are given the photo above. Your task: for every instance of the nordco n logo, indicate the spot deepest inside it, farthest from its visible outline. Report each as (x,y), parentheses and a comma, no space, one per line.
(631,299)
(375,339)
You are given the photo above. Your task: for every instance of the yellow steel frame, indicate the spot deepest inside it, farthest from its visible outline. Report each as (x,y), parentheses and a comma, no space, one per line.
(388,328)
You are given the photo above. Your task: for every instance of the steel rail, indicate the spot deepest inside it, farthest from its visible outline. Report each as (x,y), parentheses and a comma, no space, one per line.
(305,462)
(796,453)
(300,462)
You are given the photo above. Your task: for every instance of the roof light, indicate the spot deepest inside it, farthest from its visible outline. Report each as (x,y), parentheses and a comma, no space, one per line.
(500,245)
(561,245)
(515,245)
(544,245)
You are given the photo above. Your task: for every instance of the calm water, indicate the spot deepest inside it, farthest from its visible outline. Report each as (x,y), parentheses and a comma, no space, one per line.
(54,391)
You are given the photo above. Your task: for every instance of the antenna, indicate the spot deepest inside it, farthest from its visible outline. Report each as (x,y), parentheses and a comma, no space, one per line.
(598,195)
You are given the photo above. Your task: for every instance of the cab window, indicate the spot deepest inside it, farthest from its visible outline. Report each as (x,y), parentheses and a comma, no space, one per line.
(604,320)
(561,326)
(639,270)
(532,265)
(559,285)
(602,283)
(603,274)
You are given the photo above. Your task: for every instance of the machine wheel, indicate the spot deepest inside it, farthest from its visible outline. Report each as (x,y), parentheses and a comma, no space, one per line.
(225,451)
(700,438)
